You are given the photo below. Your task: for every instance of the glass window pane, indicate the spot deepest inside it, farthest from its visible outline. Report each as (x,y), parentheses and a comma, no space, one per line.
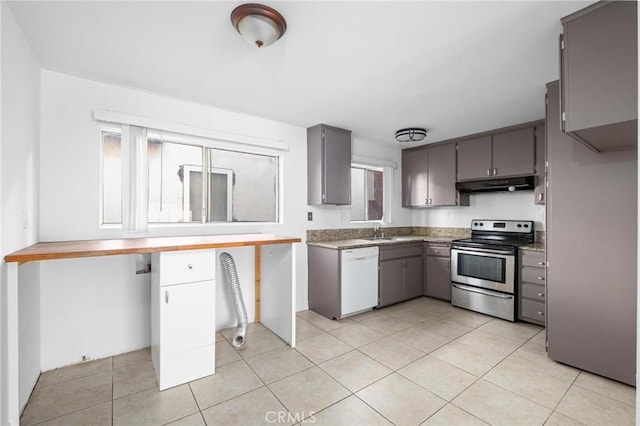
(374,194)
(243,187)
(111,178)
(358,184)
(175,182)
(367,194)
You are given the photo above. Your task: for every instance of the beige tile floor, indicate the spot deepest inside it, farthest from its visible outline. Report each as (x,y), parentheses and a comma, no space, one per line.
(419,362)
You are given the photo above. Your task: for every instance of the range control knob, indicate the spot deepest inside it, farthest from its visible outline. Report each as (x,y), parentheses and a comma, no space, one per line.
(481,224)
(475,223)
(519,225)
(526,225)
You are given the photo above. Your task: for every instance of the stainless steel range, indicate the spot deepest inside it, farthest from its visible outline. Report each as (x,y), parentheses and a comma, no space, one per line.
(484,267)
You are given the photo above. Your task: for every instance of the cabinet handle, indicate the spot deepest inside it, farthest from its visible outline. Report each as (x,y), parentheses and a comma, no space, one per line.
(437,251)
(166,296)
(540,278)
(540,294)
(488,172)
(541,263)
(426,201)
(540,196)
(540,313)
(430,201)
(190,266)
(495,172)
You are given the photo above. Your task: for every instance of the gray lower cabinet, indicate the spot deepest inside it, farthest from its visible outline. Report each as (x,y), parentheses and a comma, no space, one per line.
(437,270)
(328,165)
(324,281)
(599,75)
(532,287)
(400,274)
(500,155)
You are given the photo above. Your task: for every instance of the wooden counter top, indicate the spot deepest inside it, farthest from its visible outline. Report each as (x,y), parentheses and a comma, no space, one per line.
(90,248)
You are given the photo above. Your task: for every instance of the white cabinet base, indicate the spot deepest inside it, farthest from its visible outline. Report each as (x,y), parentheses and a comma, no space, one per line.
(183,316)
(179,368)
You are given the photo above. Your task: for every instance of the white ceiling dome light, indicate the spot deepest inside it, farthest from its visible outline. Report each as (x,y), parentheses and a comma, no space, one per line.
(258,24)
(411,134)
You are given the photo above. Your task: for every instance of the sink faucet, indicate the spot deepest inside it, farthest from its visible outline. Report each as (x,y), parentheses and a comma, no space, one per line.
(377,232)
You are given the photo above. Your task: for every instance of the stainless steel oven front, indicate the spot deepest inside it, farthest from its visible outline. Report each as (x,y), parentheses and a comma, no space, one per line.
(483,280)
(488,268)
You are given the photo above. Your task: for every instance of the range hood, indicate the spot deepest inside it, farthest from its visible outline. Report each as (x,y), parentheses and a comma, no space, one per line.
(492,185)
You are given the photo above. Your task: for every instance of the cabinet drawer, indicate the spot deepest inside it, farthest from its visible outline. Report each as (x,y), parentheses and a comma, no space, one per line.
(532,291)
(438,250)
(187,266)
(533,275)
(533,258)
(533,310)
(400,251)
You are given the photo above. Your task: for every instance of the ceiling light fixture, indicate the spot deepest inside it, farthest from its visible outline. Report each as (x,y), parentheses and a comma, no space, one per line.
(258,24)
(411,134)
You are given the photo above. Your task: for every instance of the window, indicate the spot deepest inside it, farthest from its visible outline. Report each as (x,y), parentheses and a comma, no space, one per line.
(111,209)
(367,193)
(194,182)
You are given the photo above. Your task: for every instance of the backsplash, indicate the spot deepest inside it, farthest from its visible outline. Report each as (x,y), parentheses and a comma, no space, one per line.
(315,235)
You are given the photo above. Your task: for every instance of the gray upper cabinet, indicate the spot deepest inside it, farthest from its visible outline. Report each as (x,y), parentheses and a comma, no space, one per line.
(541,169)
(500,155)
(415,178)
(429,177)
(441,168)
(328,165)
(514,153)
(599,75)
(474,159)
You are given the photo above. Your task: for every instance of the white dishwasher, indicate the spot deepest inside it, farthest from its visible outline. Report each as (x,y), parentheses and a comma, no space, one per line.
(359,280)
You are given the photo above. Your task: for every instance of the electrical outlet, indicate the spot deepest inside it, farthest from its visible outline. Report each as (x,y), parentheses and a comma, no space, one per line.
(309,216)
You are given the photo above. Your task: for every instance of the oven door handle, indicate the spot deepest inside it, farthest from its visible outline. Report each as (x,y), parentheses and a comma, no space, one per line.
(480,251)
(480,291)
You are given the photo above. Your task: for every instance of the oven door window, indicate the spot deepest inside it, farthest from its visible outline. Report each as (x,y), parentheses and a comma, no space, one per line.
(482,267)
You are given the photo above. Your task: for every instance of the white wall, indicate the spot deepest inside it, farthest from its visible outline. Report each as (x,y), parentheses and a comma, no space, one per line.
(19,155)
(103,297)
(517,205)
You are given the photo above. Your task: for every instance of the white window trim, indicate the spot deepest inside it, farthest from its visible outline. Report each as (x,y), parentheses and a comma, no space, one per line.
(187,129)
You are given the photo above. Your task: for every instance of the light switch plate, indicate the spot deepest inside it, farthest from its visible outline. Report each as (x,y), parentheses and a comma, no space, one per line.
(309,216)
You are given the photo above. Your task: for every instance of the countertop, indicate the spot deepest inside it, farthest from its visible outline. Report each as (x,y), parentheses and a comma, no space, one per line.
(89,248)
(533,247)
(358,243)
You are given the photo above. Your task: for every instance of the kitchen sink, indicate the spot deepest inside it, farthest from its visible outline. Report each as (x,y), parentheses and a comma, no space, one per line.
(389,239)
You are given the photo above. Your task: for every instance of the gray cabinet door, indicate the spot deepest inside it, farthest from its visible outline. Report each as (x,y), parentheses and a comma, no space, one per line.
(541,173)
(328,165)
(513,153)
(438,277)
(412,277)
(441,162)
(474,159)
(599,75)
(414,178)
(324,281)
(391,288)
(337,166)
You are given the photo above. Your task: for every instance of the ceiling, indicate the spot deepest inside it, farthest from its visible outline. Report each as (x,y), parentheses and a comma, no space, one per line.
(452,67)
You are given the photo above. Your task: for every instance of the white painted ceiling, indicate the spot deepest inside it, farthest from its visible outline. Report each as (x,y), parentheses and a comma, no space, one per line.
(452,67)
